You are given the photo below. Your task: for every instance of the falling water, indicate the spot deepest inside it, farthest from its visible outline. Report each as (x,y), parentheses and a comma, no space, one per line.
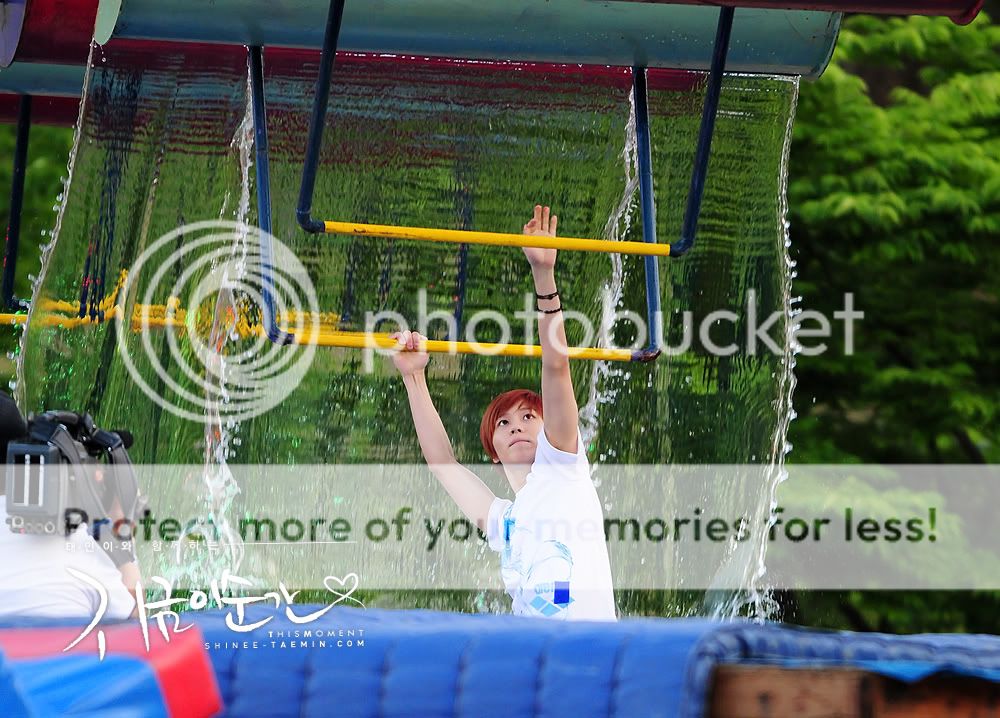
(163,141)
(757,602)
(220,486)
(617,227)
(46,248)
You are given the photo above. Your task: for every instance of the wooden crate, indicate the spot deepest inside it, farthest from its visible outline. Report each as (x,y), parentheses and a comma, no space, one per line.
(775,692)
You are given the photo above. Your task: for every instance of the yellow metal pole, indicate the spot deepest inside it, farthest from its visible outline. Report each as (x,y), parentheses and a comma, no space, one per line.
(56,320)
(325,337)
(363,340)
(497,239)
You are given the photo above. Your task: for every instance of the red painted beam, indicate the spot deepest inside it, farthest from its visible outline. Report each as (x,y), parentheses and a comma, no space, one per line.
(58,111)
(57,31)
(194,58)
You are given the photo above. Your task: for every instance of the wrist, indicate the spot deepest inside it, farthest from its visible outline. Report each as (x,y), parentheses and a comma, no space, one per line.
(545,279)
(413,378)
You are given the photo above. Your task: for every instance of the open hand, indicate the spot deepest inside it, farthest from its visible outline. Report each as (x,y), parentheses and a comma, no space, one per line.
(543,224)
(410,358)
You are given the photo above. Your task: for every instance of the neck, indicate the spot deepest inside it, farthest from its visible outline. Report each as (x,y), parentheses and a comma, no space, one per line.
(517,475)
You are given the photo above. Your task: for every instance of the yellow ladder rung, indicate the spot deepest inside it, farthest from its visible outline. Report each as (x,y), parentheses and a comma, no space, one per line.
(496,238)
(56,320)
(365,340)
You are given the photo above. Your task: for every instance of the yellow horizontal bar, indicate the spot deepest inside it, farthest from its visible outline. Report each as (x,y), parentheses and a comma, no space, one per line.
(151,318)
(56,320)
(362,340)
(497,238)
(55,305)
(325,337)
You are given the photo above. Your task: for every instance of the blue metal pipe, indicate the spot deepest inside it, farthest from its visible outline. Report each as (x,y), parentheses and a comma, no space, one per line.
(320,101)
(16,204)
(460,284)
(703,152)
(648,203)
(264,197)
(464,191)
(623,34)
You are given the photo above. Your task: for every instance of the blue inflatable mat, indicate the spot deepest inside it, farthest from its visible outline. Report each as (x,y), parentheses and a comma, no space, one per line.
(357,662)
(384,663)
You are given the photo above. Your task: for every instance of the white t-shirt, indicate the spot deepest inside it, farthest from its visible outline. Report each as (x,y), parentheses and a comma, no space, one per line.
(34,581)
(553,556)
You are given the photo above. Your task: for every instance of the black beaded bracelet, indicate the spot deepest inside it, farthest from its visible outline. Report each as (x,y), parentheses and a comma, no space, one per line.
(546,296)
(551,311)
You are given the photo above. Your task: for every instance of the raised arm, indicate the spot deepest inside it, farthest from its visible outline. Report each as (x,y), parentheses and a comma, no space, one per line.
(465,488)
(560,413)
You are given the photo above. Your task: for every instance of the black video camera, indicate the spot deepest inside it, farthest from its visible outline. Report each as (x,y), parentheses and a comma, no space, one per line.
(67,471)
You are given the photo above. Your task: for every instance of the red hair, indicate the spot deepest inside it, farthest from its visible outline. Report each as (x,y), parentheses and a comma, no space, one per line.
(500,405)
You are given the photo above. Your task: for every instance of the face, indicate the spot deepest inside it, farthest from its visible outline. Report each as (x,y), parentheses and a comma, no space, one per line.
(515,435)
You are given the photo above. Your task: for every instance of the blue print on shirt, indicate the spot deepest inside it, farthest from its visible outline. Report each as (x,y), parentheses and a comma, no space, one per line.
(536,573)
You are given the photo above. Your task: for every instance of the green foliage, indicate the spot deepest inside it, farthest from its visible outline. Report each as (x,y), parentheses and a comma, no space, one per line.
(48,148)
(895,611)
(895,196)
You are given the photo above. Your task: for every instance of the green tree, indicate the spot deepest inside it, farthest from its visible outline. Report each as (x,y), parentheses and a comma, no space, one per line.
(48,149)
(895,196)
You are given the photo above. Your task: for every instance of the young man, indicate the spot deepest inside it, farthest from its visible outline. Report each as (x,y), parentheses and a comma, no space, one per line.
(554,560)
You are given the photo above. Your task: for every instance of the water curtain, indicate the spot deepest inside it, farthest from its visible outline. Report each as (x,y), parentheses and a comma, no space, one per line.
(165,140)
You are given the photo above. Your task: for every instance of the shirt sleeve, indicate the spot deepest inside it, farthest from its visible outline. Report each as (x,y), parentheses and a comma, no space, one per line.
(120,601)
(496,531)
(569,463)
(99,566)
